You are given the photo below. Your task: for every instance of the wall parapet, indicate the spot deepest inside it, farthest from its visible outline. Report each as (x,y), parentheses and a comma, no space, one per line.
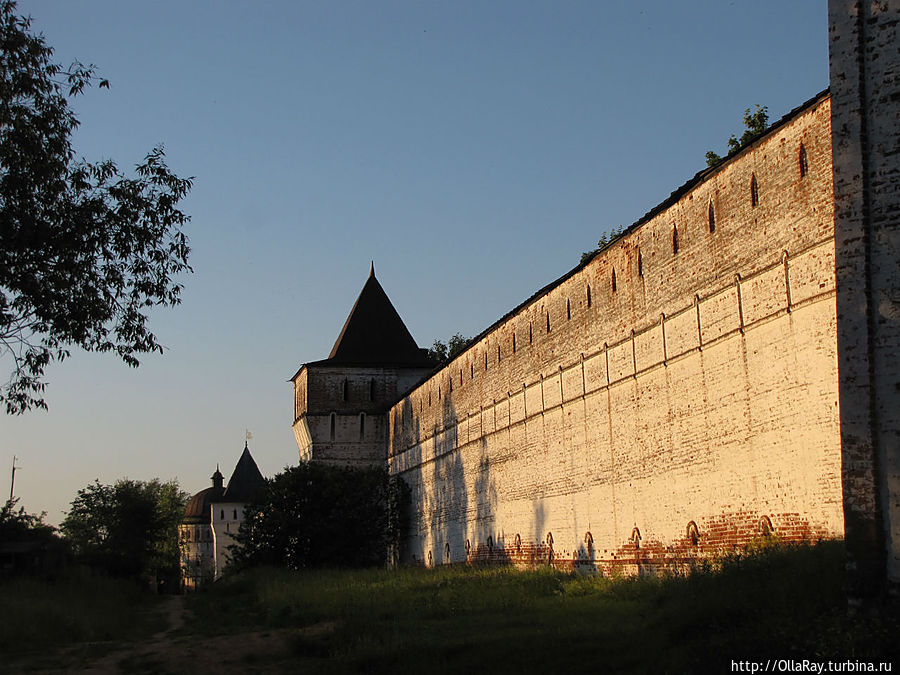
(685,374)
(620,297)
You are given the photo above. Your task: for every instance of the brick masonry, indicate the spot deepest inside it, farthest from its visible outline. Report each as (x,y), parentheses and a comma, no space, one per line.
(674,397)
(339,411)
(865,82)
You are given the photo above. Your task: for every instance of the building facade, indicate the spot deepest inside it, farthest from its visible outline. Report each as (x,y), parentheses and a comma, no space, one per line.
(675,396)
(341,403)
(211,519)
(725,369)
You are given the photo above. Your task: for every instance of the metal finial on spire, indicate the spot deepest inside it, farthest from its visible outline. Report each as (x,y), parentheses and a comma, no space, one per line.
(372,269)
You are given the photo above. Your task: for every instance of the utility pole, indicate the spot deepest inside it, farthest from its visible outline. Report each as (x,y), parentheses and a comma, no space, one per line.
(12,482)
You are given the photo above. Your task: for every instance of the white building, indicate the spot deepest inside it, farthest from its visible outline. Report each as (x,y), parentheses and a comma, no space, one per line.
(212,518)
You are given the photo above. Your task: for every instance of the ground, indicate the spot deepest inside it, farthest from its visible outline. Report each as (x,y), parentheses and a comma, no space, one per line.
(172,650)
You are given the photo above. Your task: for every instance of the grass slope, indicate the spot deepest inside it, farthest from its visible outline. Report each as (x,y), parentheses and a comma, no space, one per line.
(774,604)
(85,616)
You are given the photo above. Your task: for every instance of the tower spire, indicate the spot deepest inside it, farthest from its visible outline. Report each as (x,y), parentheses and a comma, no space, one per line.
(372,269)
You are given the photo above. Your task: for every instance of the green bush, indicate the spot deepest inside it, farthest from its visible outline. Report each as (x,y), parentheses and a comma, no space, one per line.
(314,515)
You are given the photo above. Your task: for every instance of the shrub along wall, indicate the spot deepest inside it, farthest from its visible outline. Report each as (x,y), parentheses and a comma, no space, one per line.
(313,515)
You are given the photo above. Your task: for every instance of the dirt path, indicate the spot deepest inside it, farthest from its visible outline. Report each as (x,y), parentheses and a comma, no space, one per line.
(175,650)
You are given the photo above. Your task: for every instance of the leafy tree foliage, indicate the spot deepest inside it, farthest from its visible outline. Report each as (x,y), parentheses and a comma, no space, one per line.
(314,515)
(18,525)
(129,529)
(85,251)
(37,548)
(755,125)
(441,353)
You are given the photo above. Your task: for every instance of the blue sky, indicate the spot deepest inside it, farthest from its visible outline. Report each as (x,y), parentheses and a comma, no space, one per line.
(472,149)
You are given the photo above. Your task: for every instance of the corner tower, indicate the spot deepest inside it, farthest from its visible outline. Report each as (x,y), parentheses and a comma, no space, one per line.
(341,403)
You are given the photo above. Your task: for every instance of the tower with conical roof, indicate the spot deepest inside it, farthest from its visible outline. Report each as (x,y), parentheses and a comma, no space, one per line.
(341,403)
(211,519)
(243,487)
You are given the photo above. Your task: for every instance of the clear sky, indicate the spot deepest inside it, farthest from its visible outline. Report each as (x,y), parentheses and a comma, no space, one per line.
(472,149)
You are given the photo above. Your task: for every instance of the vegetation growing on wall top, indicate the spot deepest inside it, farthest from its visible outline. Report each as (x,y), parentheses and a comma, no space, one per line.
(755,125)
(604,241)
(442,353)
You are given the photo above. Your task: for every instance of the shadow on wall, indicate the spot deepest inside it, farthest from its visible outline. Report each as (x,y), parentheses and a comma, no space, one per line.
(453,536)
(487,546)
(448,502)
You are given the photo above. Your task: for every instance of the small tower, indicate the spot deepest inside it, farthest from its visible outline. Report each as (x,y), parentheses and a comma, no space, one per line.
(341,403)
(195,535)
(244,487)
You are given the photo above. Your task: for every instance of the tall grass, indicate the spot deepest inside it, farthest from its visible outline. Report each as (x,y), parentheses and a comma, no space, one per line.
(41,615)
(777,603)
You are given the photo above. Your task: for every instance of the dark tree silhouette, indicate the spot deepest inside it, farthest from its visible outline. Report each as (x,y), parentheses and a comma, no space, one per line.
(313,515)
(441,353)
(85,251)
(755,125)
(128,529)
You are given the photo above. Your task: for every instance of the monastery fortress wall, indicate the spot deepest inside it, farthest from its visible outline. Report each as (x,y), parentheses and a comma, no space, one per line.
(676,395)
(725,369)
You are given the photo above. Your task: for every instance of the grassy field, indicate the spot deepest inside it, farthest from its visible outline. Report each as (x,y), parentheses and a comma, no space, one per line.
(85,616)
(775,604)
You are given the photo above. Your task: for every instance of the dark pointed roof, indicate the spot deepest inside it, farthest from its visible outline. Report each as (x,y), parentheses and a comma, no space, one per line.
(374,333)
(246,481)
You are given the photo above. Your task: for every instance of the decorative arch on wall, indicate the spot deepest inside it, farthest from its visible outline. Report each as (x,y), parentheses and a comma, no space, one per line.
(640,264)
(518,541)
(588,295)
(754,190)
(674,239)
(802,161)
(693,534)
(613,280)
(711,214)
(447,552)
(333,425)
(636,537)
(765,526)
